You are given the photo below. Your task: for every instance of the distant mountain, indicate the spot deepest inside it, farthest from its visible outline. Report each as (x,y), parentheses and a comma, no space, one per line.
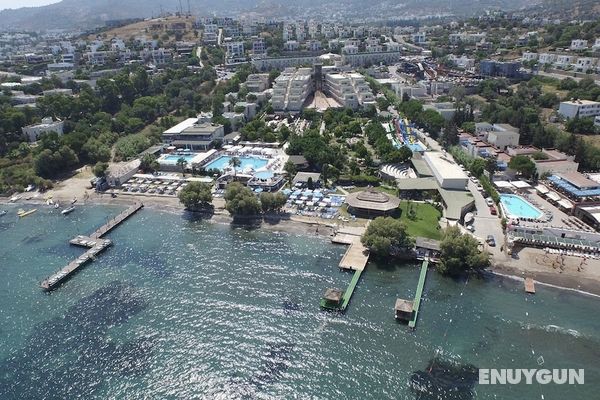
(92,13)
(568,9)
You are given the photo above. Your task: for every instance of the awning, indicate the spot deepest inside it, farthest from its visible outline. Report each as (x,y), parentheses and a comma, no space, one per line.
(553,196)
(541,189)
(503,184)
(520,184)
(564,203)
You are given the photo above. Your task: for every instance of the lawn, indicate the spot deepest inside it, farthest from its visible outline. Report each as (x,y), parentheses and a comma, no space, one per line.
(425,223)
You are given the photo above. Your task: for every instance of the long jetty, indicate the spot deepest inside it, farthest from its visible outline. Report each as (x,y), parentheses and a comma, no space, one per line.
(95,244)
(350,289)
(417,302)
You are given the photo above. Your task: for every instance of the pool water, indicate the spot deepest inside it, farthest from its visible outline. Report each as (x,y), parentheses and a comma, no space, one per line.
(518,207)
(173,158)
(254,162)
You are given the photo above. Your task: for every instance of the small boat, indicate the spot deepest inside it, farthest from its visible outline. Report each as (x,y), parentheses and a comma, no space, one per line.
(67,210)
(74,200)
(3,213)
(56,205)
(14,198)
(22,213)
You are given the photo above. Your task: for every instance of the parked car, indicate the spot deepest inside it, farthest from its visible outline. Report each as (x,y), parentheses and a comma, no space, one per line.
(491,241)
(489,201)
(493,210)
(479,188)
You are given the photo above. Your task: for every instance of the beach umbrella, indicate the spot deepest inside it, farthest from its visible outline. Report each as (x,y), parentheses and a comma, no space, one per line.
(258,190)
(327,200)
(304,198)
(317,194)
(286,192)
(299,202)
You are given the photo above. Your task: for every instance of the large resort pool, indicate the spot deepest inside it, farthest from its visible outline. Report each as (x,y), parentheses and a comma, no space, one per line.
(257,165)
(517,207)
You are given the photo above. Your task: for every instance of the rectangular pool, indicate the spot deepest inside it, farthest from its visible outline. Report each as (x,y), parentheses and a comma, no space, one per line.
(517,207)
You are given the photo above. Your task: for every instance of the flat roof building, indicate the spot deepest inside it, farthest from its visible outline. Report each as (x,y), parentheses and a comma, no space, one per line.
(448,174)
(579,108)
(193,135)
(47,125)
(349,89)
(291,89)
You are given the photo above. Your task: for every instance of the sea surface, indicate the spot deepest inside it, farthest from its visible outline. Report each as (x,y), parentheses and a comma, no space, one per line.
(181,308)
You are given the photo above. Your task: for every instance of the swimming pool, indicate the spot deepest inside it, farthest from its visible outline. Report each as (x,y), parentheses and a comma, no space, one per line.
(173,158)
(517,207)
(246,162)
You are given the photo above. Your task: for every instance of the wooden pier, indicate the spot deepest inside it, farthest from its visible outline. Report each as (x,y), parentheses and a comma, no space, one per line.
(95,245)
(529,285)
(417,302)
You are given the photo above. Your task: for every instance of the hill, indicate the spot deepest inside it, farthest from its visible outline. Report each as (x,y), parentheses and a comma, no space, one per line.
(568,9)
(87,14)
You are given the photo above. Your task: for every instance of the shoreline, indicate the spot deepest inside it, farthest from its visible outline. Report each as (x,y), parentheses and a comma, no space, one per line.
(300,226)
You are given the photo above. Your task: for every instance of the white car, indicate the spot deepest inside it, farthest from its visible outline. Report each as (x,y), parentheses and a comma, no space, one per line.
(479,188)
(489,201)
(474,180)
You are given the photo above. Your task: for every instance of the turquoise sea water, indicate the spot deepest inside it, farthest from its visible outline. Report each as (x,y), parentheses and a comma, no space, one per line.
(186,309)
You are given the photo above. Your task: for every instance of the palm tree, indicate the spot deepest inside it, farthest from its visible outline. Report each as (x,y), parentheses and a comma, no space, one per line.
(235,162)
(182,163)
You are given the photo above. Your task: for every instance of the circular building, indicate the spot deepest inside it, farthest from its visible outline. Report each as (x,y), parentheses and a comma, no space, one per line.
(372,203)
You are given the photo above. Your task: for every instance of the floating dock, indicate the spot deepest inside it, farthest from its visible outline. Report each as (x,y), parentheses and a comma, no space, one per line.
(95,245)
(529,285)
(417,302)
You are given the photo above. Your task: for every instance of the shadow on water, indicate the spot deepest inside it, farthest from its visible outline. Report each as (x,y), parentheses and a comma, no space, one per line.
(444,380)
(274,363)
(290,305)
(194,216)
(69,357)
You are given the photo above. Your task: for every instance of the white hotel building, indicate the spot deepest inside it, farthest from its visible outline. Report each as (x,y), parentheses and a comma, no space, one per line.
(291,89)
(349,89)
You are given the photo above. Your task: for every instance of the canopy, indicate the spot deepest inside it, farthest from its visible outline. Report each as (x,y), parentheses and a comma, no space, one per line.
(541,189)
(565,204)
(520,184)
(553,196)
(503,184)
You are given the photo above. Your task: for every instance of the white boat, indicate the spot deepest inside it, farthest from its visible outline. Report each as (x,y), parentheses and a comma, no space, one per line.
(3,213)
(74,200)
(67,210)
(14,198)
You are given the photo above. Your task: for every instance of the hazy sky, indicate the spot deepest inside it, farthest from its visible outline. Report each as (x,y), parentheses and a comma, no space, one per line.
(24,3)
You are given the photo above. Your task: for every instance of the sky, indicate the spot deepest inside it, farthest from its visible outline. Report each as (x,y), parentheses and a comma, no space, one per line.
(24,3)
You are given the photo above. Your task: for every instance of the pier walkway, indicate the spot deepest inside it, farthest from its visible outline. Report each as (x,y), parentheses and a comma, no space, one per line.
(95,245)
(417,302)
(350,289)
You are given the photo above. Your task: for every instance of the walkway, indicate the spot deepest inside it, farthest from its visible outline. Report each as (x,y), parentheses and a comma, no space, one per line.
(417,302)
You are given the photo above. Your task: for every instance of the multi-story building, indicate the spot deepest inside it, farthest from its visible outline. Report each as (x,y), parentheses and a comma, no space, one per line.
(529,56)
(563,61)
(234,51)
(291,89)
(583,64)
(348,89)
(34,131)
(419,37)
(499,135)
(194,135)
(210,35)
(579,108)
(579,44)
(291,45)
(508,69)
(257,82)
(546,58)
(259,47)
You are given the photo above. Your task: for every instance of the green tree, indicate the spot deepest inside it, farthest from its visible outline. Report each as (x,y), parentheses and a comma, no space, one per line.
(386,236)
(290,171)
(195,195)
(523,165)
(241,201)
(235,163)
(148,163)
(182,163)
(100,169)
(460,253)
